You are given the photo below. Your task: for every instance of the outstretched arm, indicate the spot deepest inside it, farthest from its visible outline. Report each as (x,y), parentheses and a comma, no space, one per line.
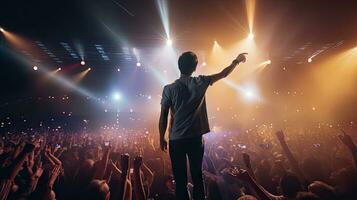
(246,159)
(226,71)
(293,162)
(137,181)
(243,175)
(347,140)
(162,127)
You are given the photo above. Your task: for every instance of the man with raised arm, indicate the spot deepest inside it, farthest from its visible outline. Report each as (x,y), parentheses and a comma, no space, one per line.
(185,98)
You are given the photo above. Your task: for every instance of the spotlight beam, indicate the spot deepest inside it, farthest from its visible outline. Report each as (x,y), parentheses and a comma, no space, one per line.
(79,77)
(164,15)
(250,7)
(62,81)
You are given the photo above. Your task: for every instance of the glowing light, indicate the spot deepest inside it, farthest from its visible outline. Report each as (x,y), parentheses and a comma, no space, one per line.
(268,62)
(138,64)
(169,42)
(204,64)
(35,68)
(164,15)
(118,70)
(215,42)
(309,60)
(149,97)
(248,91)
(79,77)
(250,8)
(2,30)
(251,36)
(59,69)
(249,94)
(83,63)
(117,96)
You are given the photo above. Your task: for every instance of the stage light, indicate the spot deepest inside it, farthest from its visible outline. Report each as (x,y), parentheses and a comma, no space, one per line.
(59,69)
(116,96)
(215,42)
(35,68)
(89,69)
(118,70)
(169,42)
(149,97)
(83,63)
(249,93)
(268,62)
(204,64)
(138,64)
(2,30)
(309,60)
(251,36)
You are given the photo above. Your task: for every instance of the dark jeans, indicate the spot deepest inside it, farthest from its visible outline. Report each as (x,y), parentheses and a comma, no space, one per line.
(193,149)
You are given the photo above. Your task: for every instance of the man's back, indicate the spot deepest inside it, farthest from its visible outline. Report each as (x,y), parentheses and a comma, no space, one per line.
(186,99)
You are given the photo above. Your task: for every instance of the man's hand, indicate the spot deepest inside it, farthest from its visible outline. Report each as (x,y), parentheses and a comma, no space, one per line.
(241,58)
(163,144)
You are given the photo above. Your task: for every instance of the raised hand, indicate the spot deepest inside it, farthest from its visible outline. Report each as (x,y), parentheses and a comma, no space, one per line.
(56,170)
(241,58)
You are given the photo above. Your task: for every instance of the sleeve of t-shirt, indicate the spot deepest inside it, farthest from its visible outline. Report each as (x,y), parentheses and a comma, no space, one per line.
(205,80)
(165,99)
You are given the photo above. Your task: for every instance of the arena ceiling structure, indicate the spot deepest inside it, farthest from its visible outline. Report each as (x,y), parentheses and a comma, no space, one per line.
(126,50)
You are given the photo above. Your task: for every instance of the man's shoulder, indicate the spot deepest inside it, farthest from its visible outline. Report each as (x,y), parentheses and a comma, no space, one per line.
(171,85)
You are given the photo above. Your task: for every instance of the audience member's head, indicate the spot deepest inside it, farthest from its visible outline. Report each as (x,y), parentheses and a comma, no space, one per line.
(323,190)
(247,197)
(306,196)
(98,190)
(290,185)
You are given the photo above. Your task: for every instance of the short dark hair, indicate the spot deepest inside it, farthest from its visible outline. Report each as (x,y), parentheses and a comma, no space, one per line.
(187,63)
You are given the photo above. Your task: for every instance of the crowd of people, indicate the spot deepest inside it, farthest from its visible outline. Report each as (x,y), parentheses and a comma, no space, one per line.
(264,164)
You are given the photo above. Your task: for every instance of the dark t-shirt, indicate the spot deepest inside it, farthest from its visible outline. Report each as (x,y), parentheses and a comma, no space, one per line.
(186,100)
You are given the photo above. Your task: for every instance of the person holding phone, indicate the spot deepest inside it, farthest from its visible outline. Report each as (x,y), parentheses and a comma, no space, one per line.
(185,99)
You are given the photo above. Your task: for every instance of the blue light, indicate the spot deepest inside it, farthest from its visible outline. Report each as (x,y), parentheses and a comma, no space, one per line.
(117,96)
